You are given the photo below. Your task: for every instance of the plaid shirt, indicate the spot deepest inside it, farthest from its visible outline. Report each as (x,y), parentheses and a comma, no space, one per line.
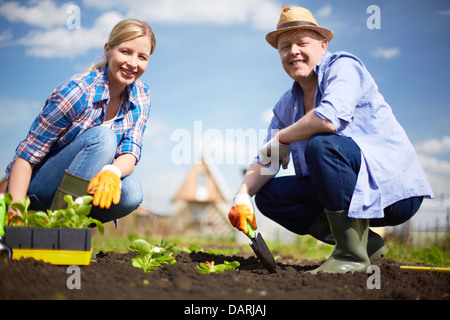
(79,104)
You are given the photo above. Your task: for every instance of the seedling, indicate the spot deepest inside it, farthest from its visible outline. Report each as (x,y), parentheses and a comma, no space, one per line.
(192,248)
(150,256)
(210,267)
(74,216)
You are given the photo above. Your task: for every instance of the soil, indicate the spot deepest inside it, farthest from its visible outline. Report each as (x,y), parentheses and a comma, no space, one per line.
(111,276)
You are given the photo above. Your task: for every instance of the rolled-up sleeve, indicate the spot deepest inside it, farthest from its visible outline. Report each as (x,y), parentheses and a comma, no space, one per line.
(341,91)
(53,119)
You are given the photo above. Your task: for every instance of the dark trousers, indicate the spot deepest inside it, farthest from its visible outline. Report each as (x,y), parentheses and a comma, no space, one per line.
(334,162)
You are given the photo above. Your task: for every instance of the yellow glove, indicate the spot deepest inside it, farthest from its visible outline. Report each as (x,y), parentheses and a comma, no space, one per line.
(106,187)
(241,212)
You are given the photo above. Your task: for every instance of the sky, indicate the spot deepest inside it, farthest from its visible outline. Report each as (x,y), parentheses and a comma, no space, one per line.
(214,79)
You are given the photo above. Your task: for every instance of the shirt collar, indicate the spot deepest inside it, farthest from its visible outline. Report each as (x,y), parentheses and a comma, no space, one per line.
(318,69)
(321,65)
(130,93)
(102,91)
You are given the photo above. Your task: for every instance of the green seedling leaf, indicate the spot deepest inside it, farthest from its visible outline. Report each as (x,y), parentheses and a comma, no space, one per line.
(6,197)
(192,248)
(76,215)
(210,267)
(150,256)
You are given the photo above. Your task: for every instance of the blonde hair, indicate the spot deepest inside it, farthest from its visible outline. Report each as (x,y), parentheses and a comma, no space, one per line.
(126,30)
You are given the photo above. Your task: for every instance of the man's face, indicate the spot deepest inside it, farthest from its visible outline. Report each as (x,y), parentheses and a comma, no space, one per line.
(300,51)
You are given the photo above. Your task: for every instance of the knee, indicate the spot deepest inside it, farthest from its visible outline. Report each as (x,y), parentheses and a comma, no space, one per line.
(132,194)
(265,202)
(317,147)
(102,138)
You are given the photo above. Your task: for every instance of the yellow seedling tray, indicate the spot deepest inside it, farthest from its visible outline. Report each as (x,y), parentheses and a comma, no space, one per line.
(57,257)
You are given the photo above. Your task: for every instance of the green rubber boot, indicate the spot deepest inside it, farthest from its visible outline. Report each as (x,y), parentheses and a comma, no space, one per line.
(350,252)
(320,230)
(70,185)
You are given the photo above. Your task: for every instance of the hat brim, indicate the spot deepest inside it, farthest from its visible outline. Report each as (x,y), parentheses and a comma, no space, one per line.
(272,37)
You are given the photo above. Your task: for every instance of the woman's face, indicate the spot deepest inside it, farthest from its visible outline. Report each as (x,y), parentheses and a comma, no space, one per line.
(127,61)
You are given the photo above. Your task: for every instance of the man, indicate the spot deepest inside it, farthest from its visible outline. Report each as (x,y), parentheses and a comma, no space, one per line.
(354,164)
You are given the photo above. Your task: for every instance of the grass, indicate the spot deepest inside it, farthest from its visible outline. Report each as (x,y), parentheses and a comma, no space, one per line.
(305,247)
(437,254)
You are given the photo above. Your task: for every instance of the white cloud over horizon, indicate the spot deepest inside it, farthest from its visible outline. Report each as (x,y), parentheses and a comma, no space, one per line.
(259,13)
(437,170)
(324,12)
(434,146)
(386,53)
(64,43)
(51,38)
(44,14)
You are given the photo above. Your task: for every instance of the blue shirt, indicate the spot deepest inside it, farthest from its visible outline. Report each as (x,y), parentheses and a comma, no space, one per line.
(348,97)
(79,104)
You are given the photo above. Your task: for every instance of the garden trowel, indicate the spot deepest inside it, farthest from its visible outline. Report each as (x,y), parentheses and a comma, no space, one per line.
(261,249)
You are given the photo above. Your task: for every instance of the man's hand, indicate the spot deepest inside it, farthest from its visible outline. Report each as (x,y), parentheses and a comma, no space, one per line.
(272,151)
(106,187)
(242,211)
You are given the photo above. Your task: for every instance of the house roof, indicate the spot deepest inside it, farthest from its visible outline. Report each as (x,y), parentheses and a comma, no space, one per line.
(203,183)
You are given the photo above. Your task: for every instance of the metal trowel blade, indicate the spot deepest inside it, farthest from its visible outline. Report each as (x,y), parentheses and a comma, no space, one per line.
(263,252)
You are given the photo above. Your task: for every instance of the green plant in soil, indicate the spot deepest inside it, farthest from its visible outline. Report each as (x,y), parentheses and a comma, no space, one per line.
(76,215)
(210,267)
(150,256)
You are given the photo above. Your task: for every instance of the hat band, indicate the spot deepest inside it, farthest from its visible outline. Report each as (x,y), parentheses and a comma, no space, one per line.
(295,24)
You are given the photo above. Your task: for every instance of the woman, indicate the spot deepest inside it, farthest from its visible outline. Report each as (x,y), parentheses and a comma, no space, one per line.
(88,136)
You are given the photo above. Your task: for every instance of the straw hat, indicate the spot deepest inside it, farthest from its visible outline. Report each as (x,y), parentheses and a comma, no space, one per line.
(292,18)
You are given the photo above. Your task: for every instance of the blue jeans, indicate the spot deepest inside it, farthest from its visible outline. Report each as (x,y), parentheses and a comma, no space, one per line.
(334,163)
(85,156)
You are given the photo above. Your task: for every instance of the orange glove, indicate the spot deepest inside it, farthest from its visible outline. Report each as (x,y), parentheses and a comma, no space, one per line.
(241,212)
(106,187)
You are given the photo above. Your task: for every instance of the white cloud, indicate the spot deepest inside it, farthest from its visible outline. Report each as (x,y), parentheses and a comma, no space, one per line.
(434,146)
(266,117)
(444,13)
(157,133)
(324,12)
(262,14)
(44,14)
(17,112)
(5,35)
(386,53)
(54,39)
(435,165)
(437,170)
(64,43)
(438,173)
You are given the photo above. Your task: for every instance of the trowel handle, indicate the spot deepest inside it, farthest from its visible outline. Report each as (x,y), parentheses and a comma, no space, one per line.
(251,232)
